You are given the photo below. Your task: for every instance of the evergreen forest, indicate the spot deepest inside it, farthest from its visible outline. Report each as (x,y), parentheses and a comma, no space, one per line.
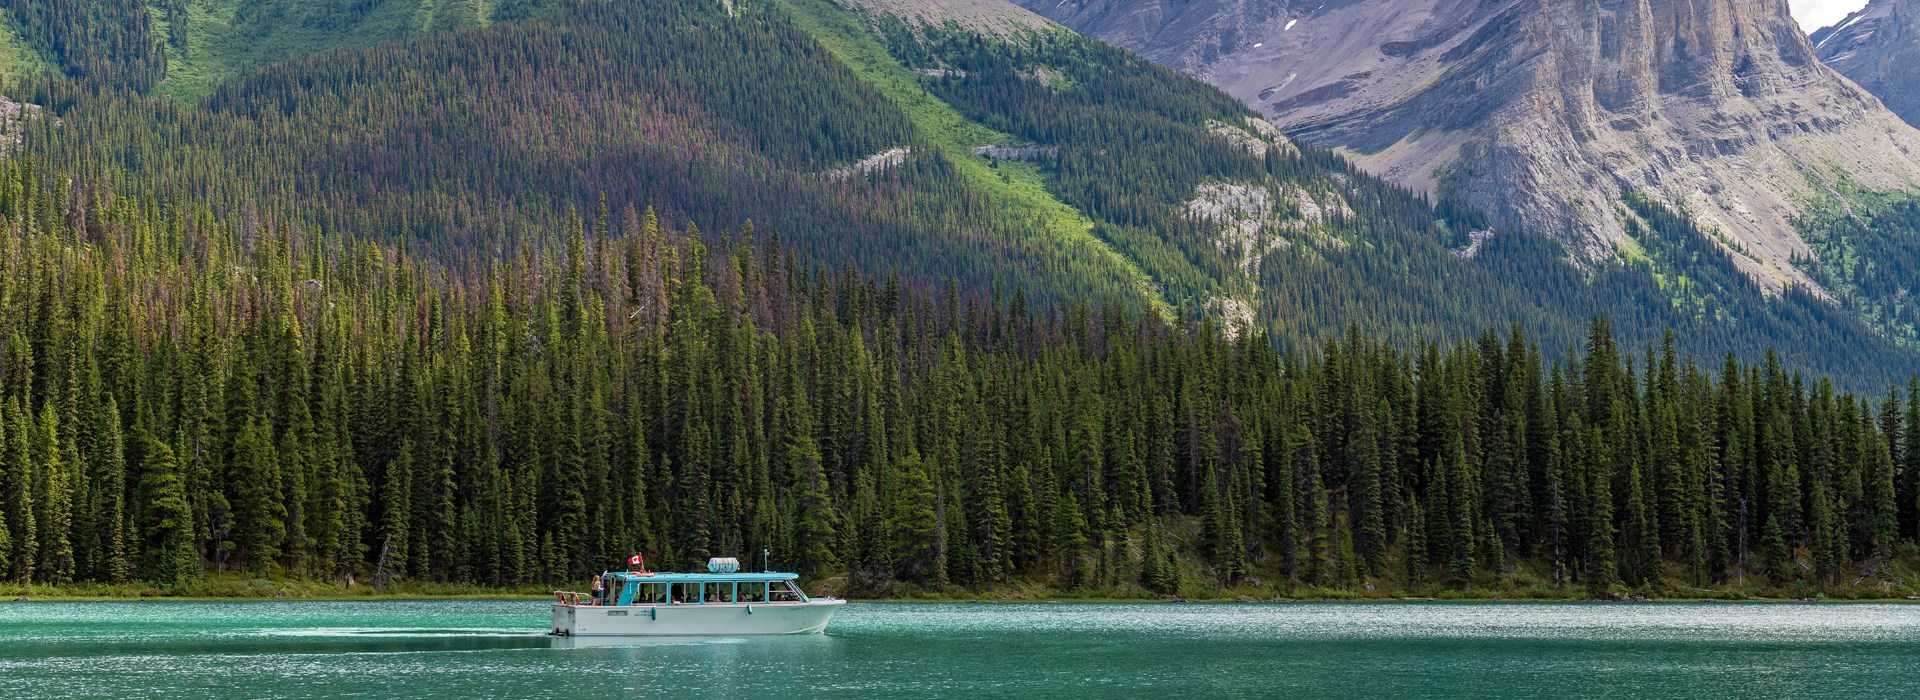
(497,295)
(181,396)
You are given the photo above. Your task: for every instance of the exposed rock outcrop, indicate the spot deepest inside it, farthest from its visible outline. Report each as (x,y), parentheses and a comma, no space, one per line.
(1879,48)
(13,119)
(988,16)
(1545,112)
(884,160)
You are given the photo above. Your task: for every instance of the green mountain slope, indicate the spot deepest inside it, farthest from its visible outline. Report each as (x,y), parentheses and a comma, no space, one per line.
(464,142)
(209,42)
(184,48)
(17,58)
(1028,159)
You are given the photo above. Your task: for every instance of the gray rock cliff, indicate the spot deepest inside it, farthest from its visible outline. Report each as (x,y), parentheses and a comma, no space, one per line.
(1545,112)
(1879,48)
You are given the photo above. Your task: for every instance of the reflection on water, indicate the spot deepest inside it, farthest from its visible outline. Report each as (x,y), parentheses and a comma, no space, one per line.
(497,649)
(790,642)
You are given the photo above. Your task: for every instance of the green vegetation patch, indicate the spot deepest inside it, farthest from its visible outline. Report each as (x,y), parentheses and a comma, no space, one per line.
(1866,251)
(17,58)
(1018,186)
(222,38)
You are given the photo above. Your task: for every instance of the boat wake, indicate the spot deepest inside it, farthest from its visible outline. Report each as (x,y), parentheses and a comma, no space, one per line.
(458,632)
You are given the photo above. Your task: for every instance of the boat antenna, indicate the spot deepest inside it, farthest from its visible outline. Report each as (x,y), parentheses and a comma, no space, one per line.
(766,560)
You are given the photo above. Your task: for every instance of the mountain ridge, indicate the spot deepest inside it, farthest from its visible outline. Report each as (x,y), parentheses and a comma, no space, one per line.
(1878,47)
(1547,114)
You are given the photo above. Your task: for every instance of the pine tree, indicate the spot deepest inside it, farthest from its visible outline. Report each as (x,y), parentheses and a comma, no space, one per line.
(396,534)
(109,521)
(815,530)
(166,519)
(1602,569)
(1910,462)
(1779,559)
(1416,541)
(7,486)
(260,513)
(1160,569)
(1644,556)
(56,518)
(914,526)
(1372,535)
(1460,562)
(20,499)
(1069,526)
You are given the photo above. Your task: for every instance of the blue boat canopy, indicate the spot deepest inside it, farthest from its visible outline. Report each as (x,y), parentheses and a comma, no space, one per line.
(624,588)
(664,577)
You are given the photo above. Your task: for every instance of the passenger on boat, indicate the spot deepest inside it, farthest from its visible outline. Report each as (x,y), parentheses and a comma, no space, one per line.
(599,590)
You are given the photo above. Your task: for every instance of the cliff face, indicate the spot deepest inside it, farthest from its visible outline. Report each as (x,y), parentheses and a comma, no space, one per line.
(1544,112)
(1879,48)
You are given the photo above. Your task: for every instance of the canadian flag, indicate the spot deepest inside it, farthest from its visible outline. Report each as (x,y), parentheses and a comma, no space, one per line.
(634,560)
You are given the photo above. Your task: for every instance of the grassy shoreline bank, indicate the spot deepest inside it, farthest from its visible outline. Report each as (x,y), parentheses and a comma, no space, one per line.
(238,589)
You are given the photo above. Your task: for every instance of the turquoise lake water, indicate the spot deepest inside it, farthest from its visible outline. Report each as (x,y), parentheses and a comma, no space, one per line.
(462,649)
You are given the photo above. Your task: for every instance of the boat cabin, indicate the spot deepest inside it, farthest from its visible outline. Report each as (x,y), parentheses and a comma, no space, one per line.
(620,588)
(723,600)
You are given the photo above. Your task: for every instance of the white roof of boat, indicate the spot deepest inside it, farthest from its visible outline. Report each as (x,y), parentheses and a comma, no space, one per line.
(667,577)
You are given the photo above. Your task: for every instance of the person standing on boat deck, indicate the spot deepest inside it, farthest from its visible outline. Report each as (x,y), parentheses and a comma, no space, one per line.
(599,589)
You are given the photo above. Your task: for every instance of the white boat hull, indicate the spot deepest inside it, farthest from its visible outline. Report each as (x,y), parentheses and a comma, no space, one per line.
(693,619)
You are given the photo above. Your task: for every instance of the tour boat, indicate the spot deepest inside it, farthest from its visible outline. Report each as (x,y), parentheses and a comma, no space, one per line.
(723,601)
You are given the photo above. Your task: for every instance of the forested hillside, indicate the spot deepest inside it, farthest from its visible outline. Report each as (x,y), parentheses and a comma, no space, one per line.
(182,49)
(180,394)
(466,143)
(1002,162)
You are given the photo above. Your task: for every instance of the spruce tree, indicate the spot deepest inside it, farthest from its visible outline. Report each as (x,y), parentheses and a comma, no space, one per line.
(1778,558)
(396,535)
(109,518)
(56,471)
(914,526)
(166,519)
(260,513)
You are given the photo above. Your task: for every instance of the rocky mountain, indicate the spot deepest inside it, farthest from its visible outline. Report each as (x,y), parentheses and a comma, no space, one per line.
(1546,114)
(1879,48)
